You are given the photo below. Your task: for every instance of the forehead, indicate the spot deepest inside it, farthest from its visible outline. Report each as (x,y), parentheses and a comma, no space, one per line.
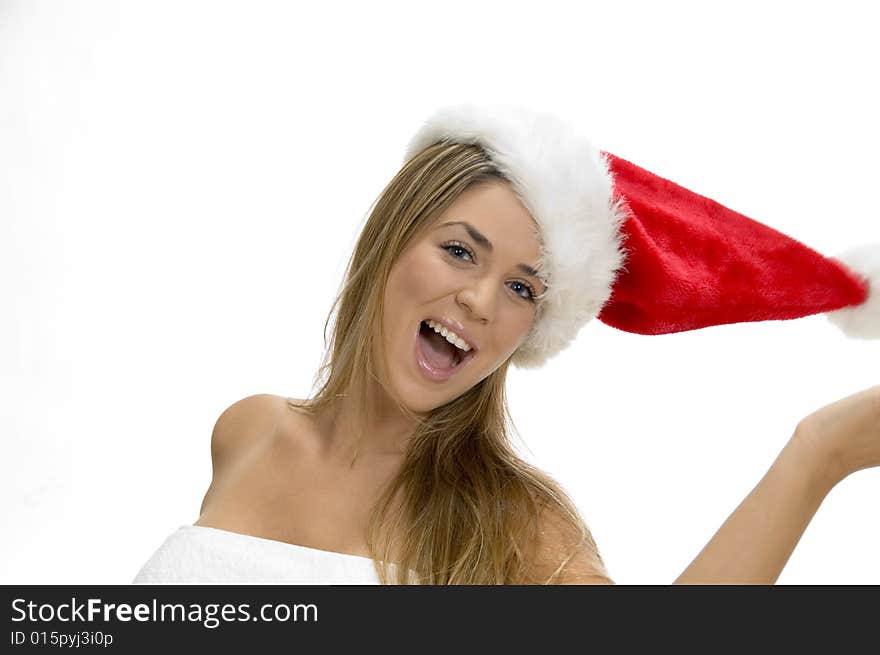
(497,212)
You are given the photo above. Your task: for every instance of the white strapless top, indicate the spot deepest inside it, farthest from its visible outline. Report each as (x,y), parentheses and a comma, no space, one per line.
(197,554)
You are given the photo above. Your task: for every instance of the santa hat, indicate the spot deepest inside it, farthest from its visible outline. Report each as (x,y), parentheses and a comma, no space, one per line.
(642,253)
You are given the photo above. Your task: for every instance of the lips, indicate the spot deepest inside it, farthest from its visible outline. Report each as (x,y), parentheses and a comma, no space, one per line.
(434,373)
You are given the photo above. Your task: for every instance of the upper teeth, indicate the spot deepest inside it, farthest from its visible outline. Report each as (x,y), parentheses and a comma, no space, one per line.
(449,335)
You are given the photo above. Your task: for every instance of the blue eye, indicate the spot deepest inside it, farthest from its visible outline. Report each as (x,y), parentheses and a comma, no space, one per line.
(457,246)
(531,296)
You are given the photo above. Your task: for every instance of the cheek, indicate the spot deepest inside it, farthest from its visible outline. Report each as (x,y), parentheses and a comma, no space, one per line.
(515,331)
(418,279)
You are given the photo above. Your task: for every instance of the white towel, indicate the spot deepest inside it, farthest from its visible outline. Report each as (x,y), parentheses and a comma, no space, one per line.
(196,554)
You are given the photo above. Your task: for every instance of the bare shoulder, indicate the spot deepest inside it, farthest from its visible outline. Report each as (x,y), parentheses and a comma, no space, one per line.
(240,428)
(563,556)
(244,423)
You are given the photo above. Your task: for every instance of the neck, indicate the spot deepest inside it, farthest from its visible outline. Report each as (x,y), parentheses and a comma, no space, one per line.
(386,432)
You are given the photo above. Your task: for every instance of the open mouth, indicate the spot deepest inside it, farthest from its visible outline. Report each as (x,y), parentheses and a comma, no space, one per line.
(438,358)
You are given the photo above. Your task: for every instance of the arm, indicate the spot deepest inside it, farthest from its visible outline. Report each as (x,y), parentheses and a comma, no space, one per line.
(755,542)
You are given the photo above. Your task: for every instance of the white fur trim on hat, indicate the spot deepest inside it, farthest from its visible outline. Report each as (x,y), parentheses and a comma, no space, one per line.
(566,185)
(861,321)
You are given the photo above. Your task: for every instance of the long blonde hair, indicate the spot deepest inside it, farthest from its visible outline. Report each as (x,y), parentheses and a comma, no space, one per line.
(470,510)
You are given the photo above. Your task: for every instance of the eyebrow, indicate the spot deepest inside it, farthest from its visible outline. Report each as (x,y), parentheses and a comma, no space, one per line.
(481,240)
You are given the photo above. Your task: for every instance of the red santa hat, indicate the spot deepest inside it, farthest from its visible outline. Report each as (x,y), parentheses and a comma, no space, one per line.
(642,253)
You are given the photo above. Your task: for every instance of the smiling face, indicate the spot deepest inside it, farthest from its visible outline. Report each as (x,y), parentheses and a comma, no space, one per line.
(468,269)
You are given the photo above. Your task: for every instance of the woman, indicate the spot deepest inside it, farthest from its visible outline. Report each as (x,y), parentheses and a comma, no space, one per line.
(485,251)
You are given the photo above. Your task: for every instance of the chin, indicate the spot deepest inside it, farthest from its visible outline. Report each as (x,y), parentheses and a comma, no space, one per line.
(420,399)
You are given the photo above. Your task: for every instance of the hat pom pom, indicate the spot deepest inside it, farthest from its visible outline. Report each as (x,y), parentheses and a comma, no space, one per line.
(861,321)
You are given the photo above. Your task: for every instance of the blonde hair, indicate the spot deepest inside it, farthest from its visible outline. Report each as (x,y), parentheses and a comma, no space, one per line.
(469,509)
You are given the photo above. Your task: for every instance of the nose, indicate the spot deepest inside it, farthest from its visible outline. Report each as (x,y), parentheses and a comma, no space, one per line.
(478,298)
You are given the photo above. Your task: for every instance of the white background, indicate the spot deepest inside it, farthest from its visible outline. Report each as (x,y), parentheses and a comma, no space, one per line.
(181,184)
